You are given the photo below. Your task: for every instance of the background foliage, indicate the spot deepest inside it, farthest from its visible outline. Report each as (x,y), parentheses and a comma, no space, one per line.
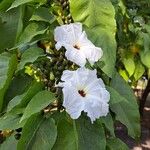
(32,116)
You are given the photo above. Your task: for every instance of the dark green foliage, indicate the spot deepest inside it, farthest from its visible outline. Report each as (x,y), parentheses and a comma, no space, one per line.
(32,115)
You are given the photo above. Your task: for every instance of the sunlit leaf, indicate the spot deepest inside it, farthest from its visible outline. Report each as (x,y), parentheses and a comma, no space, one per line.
(99,17)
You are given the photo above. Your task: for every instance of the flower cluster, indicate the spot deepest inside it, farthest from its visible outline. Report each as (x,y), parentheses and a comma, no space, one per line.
(82,90)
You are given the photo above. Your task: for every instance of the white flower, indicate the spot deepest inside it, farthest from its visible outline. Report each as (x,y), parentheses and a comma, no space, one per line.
(83,91)
(78,47)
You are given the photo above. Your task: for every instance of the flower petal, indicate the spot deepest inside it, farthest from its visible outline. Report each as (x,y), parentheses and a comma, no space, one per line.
(106,96)
(92,53)
(72,102)
(98,110)
(68,33)
(75,56)
(83,40)
(67,75)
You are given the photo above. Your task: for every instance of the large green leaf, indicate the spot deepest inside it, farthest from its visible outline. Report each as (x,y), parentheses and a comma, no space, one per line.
(10,28)
(43,14)
(80,134)
(116,144)
(10,121)
(19,84)
(126,112)
(32,30)
(8,65)
(22,100)
(99,17)
(17,3)
(29,56)
(65,136)
(5,4)
(37,103)
(9,143)
(38,134)
(108,122)
(89,136)
(145,53)
(121,86)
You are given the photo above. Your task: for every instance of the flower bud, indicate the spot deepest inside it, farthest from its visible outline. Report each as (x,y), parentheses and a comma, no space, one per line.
(19,130)
(17,136)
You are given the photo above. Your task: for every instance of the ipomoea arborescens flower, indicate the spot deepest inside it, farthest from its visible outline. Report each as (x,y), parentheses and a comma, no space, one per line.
(83,91)
(78,47)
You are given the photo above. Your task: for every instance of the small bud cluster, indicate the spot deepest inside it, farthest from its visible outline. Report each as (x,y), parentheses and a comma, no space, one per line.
(49,69)
(55,66)
(18,133)
(65,15)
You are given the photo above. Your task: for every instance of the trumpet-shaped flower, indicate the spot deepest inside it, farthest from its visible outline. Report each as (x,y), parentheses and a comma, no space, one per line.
(78,47)
(83,91)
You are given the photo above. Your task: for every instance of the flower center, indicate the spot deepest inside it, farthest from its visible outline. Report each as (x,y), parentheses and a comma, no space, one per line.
(82,93)
(76,47)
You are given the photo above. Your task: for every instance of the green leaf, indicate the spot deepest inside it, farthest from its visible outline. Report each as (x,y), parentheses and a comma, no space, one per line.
(10,28)
(116,144)
(146,38)
(124,74)
(29,10)
(37,103)
(22,100)
(126,112)
(10,121)
(19,84)
(109,124)
(29,56)
(145,58)
(32,30)
(145,53)
(65,136)
(17,3)
(42,136)
(89,136)
(120,85)
(129,65)
(139,71)
(5,4)
(43,14)
(8,65)
(99,17)
(79,135)
(10,143)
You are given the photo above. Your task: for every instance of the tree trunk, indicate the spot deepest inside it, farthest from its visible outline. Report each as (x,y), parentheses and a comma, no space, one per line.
(144,97)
